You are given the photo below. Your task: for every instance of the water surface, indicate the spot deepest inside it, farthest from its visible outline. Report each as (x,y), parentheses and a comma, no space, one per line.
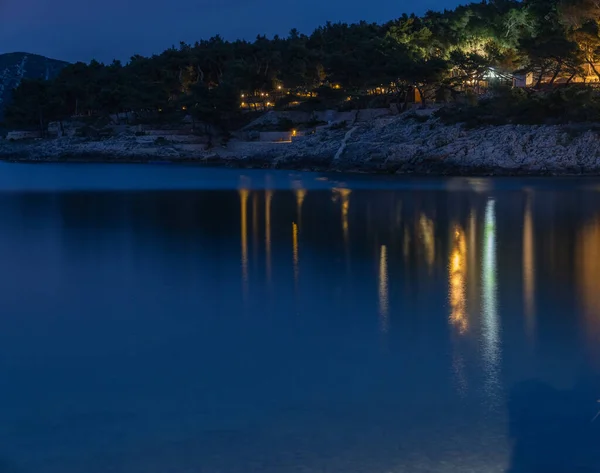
(183,319)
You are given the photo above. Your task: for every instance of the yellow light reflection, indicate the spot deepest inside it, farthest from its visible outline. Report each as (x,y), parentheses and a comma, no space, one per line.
(427,229)
(255,224)
(244,193)
(344,195)
(295,251)
(300,196)
(383,290)
(529,268)
(406,243)
(491,335)
(472,261)
(268,198)
(588,272)
(457,272)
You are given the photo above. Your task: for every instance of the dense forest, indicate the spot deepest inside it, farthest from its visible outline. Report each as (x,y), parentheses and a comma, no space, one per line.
(439,56)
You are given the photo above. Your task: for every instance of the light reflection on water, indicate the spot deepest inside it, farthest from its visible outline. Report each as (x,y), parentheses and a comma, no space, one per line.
(427,227)
(491,338)
(244,236)
(529,267)
(128,309)
(457,269)
(268,200)
(344,196)
(588,263)
(383,290)
(295,253)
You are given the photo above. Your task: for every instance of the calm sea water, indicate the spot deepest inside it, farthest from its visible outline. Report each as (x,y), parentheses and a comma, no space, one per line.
(181,319)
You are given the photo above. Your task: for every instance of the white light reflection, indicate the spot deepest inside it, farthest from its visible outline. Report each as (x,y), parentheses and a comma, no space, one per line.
(472,261)
(491,335)
(427,228)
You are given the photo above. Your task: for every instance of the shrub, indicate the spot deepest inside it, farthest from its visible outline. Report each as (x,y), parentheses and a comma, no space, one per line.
(339,125)
(517,106)
(416,117)
(285,124)
(314,122)
(86,132)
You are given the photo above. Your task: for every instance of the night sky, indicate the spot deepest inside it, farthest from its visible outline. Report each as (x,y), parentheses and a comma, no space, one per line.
(75,30)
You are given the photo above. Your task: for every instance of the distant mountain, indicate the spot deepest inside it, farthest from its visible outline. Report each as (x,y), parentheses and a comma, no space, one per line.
(17,66)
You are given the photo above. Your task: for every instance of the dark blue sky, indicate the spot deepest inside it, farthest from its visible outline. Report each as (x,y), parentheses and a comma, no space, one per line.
(82,29)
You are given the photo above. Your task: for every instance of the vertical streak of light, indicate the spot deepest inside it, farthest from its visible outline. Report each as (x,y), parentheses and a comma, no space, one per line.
(458,365)
(472,260)
(345,210)
(244,236)
(300,195)
(295,252)
(406,243)
(428,234)
(398,214)
(344,195)
(457,278)
(457,272)
(383,290)
(268,198)
(255,225)
(588,278)
(491,339)
(529,268)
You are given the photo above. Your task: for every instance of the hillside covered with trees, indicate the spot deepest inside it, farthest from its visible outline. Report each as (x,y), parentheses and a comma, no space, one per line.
(14,67)
(442,56)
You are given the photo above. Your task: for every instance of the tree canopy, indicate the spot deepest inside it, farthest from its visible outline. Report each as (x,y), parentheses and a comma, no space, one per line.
(554,40)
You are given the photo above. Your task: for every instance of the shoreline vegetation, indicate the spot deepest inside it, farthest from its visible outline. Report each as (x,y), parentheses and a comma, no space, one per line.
(497,87)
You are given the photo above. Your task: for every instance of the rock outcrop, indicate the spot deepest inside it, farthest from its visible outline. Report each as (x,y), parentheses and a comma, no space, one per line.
(401,144)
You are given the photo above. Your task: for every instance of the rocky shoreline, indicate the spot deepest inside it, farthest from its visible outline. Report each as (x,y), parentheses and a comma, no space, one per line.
(401,144)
